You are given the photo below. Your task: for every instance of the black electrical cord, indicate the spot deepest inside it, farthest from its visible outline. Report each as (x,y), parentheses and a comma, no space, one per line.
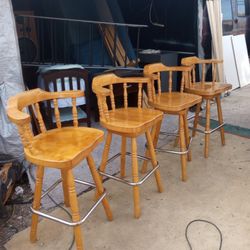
(205,221)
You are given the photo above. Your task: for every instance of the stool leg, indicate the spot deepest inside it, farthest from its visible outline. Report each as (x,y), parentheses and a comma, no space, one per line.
(105,155)
(106,152)
(74,209)
(144,167)
(123,157)
(207,129)
(196,118)
(155,136)
(183,148)
(36,202)
(220,118)
(137,210)
(99,186)
(177,138)
(65,187)
(187,138)
(154,161)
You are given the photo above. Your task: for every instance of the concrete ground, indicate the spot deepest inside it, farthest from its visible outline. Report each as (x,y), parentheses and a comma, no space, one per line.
(218,190)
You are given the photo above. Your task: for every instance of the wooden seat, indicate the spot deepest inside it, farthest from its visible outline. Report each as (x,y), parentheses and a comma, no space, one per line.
(208,90)
(61,148)
(128,123)
(131,120)
(174,103)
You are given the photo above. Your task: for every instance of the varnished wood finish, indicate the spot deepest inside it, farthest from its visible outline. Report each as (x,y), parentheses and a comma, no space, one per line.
(105,153)
(153,158)
(61,148)
(36,202)
(99,187)
(131,121)
(123,157)
(183,148)
(208,90)
(220,118)
(135,178)
(175,103)
(74,209)
(65,187)
(187,137)
(207,128)
(127,122)
(154,134)
(196,118)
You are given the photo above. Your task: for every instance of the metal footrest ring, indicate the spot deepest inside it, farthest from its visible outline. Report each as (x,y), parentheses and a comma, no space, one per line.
(173,151)
(210,131)
(126,181)
(68,223)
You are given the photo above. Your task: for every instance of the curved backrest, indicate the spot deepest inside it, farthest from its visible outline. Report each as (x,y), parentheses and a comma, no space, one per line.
(196,62)
(17,114)
(103,87)
(154,71)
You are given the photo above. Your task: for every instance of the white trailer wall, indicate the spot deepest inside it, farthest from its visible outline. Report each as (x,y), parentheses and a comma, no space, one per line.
(11,80)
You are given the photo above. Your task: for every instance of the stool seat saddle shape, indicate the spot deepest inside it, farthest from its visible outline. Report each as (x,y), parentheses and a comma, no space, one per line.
(61,148)
(128,122)
(172,103)
(208,90)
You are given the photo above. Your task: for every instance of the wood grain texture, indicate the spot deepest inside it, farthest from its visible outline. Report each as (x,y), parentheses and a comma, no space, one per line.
(99,187)
(62,148)
(207,128)
(74,209)
(208,90)
(123,157)
(183,148)
(220,118)
(175,103)
(135,178)
(153,158)
(36,202)
(128,122)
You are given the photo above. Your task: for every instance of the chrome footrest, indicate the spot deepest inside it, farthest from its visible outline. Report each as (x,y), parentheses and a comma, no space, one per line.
(126,181)
(173,151)
(68,223)
(209,131)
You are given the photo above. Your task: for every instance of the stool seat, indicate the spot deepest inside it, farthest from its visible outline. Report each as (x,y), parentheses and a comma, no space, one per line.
(129,123)
(63,147)
(60,148)
(208,89)
(174,101)
(131,120)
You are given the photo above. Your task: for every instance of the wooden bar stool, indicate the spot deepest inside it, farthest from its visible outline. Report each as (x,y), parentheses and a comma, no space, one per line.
(208,90)
(172,103)
(128,122)
(61,148)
